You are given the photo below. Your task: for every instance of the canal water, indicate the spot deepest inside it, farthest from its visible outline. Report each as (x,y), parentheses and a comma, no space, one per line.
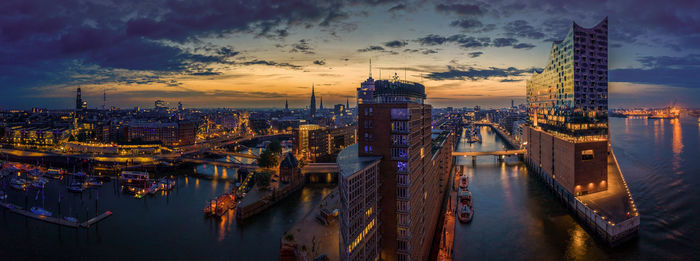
(517,218)
(160,227)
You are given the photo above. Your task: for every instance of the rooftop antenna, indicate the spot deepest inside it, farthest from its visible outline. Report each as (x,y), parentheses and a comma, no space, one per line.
(370,67)
(104,99)
(404,74)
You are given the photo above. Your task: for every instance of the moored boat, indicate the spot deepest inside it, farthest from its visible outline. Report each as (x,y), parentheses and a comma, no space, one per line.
(18,183)
(75,187)
(463,182)
(40,183)
(466,213)
(71,219)
(41,211)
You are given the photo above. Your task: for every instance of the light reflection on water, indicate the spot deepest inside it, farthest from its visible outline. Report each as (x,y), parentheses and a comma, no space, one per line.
(517,212)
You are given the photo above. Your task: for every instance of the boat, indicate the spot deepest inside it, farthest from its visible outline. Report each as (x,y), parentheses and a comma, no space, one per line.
(40,183)
(34,172)
(75,187)
(71,219)
(93,182)
(40,211)
(220,205)
(53,173)
(134,178)
(466,213)
(18,183)
(166,184)
(153,189)
(3,195)
(463,182)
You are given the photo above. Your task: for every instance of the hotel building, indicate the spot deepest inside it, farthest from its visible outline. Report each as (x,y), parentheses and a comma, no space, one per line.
(396,156)
(567,103)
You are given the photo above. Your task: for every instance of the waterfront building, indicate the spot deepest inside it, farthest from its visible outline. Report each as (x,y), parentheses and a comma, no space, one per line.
(289,170)
(167,133)
(394,128)
(315,143)
(567,111)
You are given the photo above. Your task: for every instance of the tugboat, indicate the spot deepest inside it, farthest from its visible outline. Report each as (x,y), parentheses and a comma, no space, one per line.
(465,214)
(466,210)
(463,182)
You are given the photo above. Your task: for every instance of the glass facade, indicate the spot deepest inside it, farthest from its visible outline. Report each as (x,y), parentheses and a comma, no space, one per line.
(570,95)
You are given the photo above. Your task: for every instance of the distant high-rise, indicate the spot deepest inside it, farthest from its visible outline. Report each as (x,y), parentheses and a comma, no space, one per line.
(320,107)
(567,110)
(286,105)
(79,100)
(347,103)
(312,106)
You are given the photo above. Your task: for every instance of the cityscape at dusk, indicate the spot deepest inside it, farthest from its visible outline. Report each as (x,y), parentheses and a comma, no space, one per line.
(394,130)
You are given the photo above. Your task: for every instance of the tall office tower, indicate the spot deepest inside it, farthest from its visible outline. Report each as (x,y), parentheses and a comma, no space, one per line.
(286,105)
(78,100)
(312,106)
(567,103)
(394,128)
(347,103)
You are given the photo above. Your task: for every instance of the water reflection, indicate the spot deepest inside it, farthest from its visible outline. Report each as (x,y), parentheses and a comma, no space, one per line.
(676,144)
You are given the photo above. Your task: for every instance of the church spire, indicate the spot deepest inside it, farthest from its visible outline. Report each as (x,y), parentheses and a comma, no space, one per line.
(370,67)
(312,107)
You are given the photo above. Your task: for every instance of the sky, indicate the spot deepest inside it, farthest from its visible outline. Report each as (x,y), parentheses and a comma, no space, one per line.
(257,54)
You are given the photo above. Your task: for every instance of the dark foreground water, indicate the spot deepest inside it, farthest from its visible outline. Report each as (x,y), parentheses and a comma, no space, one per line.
(168,226)
(517,218)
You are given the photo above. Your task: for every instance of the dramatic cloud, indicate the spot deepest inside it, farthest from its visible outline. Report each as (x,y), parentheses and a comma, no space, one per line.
(467,24)
(395,44)
(524,46)
(459,39)
(673,71)
(302,47)
(371,48)
(503,42)
(474,74)
(520,28)
(272,63)
(475,54)
(460,9)
(320,62)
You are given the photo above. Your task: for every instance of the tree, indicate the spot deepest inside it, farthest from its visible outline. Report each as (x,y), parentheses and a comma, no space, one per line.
(262,179)
(268,159)
(275,146)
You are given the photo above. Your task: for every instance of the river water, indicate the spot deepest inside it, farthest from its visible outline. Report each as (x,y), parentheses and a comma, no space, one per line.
(517,218)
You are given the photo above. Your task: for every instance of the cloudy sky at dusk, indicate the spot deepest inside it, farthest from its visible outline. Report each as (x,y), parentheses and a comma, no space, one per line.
(212,53)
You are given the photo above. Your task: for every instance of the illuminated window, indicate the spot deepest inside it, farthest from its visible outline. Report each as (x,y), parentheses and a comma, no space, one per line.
(586,154)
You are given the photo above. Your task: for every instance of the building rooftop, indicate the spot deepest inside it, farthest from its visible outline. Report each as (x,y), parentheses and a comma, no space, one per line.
(349,162)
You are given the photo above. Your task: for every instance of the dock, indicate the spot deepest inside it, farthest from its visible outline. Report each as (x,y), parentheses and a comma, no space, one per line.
(96,219)
(58,221)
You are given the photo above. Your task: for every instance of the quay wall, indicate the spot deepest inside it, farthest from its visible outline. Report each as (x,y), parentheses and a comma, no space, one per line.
(266,201)
(504,136)
(613,234)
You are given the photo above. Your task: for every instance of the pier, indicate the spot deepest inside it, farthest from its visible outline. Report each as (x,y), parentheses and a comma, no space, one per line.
(54,220)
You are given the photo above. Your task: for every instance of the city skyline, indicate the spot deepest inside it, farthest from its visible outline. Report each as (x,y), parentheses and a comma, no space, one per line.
(466,53)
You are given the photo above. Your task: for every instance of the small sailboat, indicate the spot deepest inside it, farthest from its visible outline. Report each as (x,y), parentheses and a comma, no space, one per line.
(18,184)
(40,183)
(40,210)
(75,187)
